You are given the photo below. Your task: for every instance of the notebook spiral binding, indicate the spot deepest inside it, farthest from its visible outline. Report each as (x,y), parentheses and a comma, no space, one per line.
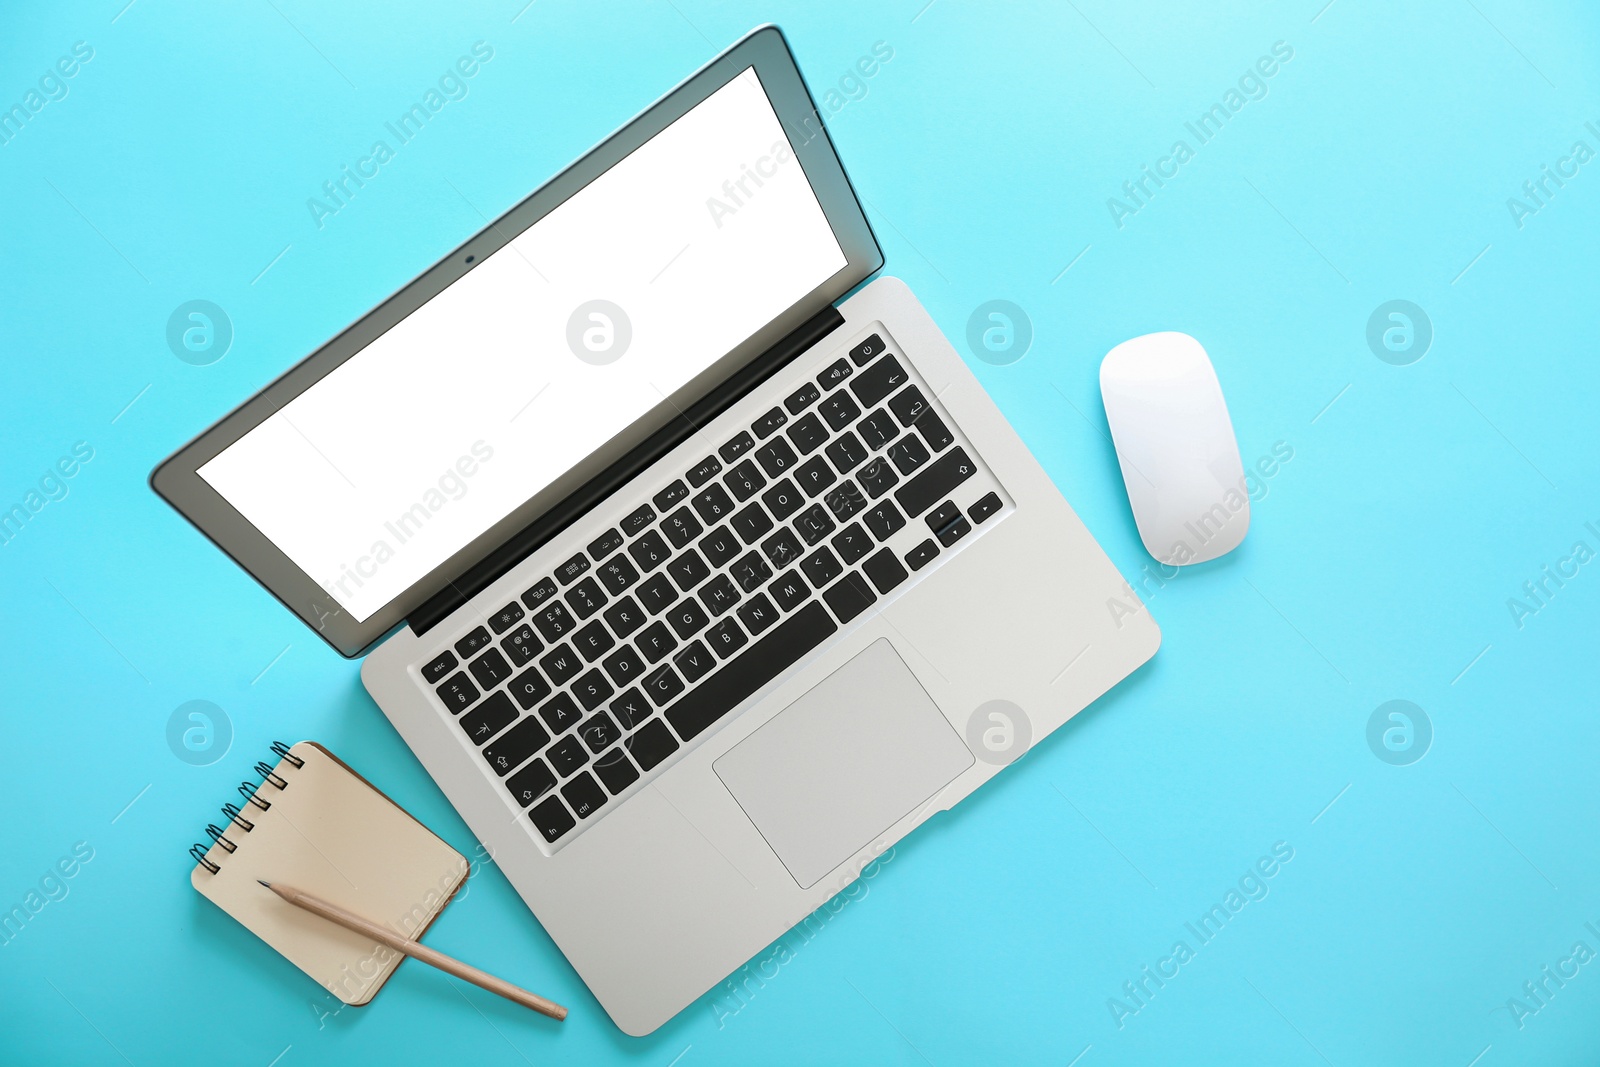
(235,813)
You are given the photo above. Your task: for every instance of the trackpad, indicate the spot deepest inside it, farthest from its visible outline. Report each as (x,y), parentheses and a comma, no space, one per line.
(849,759)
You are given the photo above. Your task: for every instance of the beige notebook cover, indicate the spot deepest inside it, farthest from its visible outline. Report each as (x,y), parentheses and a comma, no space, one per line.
(315,824)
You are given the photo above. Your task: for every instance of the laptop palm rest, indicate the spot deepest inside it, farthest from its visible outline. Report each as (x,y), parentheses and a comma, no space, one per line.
(853,756)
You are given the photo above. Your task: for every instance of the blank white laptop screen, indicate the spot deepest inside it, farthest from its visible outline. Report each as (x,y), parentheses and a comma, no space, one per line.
(460,413)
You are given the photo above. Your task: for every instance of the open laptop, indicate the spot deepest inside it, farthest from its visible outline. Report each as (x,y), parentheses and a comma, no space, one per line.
(703,572)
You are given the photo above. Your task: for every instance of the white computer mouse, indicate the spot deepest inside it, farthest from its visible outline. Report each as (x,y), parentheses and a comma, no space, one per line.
(1175,443)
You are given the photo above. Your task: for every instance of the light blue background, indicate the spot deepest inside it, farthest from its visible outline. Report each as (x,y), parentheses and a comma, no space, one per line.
(1419,499)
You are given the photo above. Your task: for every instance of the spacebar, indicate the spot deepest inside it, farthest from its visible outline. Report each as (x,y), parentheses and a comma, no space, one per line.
(749,671)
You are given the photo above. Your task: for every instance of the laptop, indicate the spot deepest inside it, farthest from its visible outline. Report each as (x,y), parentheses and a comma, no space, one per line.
(699,568)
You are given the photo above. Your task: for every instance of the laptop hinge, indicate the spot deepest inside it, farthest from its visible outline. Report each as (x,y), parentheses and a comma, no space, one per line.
(525,541)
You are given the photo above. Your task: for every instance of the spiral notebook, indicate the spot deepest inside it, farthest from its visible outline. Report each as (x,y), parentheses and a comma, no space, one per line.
(313,823)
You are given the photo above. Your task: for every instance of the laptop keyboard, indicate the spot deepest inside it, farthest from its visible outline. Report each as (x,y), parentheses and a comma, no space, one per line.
(633,648)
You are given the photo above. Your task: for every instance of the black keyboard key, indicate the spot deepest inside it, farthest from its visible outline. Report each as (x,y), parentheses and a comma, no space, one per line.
(650,551)
(630,709)
(763,661)
(569,571)
(681,527)
(687,618)
(457,692)
(768,424)
(662,684)
(777,457)
(751,572)
(552,819)
(624,617)
(670,495)
(954,531)
(782,499)
(744,480)
(884,519)
(592,690)
(878,429)
(757,613)
(838,411)
(651,744)
(934,431)
(560,713)
(852,543)
(802,398)
(808,434)
(473,643)
(657,594)
(719,546)
(532,782)
(749,524)
(599,732)
(553,620)
(704,471)
(908,453)
(585,795)
(814,476)
(845,500)
(586,598)
(909,405)
(656,641)
(489,718)
(617,574)
(511,749)
(922,555)
(490,669)
(877,477)
(741,443)
(834,375)
(725,638)
(719,595)
(694,662)
(443,665)
(521,646)
(616,770)
(624,665)
(867,350)
(593,641)
(688,570)
(789,590)
(884,570)
(529,688)
(984,508)
(567,755)
(942,515)
(539,593)
(713,505)
(814,523)
(605,544)
(878,381)
(850,596)
(782,548)
(638,520)
(561,663)
(821,567)
(847,453)
(935,483)
(505,618)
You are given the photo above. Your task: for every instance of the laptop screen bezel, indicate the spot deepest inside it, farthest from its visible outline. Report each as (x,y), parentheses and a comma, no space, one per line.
(176,479)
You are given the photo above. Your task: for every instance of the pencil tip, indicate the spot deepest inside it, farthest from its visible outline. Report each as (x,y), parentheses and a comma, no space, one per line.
(267,884)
